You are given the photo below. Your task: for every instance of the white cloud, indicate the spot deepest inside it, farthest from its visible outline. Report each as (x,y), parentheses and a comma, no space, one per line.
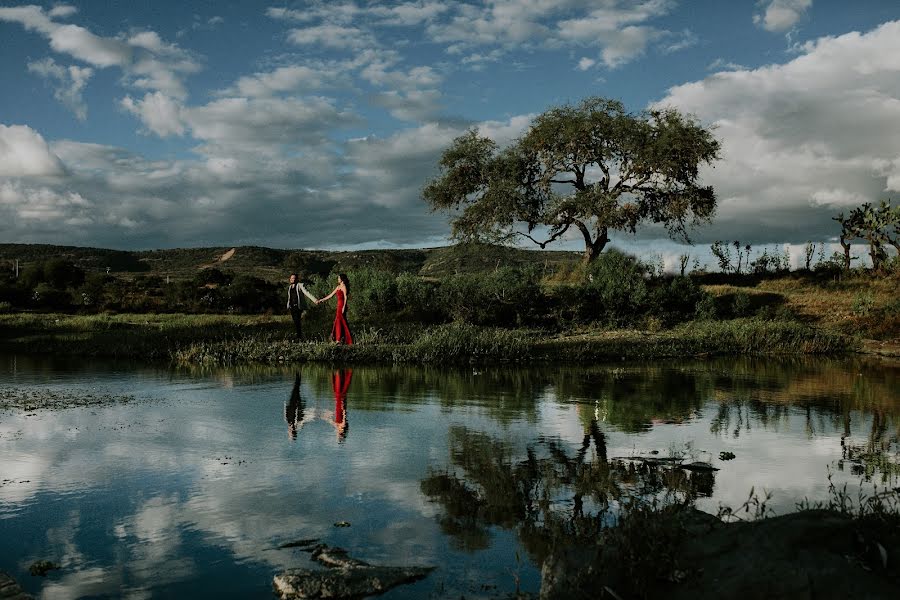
(619,29)
(781,15)
(331,36)
(586,63)
(283,79)
(409,13)
(62,11)
(147,61)
(161,114)
(837,198)
(801,138)
(68,83)
(24,153)
(266,121)
(416,105)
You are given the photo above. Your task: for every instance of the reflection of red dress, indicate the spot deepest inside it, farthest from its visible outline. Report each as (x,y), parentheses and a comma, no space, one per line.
(341,331)
(340,381)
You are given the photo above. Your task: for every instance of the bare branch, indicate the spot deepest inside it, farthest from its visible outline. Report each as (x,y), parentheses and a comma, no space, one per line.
(548,240)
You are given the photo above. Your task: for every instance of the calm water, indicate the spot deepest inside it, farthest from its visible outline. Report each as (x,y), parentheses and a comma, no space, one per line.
(191,488)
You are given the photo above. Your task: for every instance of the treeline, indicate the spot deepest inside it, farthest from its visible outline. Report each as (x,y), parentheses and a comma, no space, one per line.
(60,285)
(616,290)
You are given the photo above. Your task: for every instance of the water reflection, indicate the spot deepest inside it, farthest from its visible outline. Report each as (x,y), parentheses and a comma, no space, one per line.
(460,468)
(547,493)
(294,410)
(340,382)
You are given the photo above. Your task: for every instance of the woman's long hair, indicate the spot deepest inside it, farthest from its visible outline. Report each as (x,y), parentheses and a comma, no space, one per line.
(345,281)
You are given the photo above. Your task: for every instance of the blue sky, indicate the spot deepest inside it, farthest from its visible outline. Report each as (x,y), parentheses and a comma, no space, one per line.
(308,124)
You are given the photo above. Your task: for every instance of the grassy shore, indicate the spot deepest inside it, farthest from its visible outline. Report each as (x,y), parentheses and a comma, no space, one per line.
(230,340)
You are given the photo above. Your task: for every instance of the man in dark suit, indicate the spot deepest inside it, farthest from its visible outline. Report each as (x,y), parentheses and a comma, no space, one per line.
(293,302)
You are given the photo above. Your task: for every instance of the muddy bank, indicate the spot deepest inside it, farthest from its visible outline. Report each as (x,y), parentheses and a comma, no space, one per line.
(808,554)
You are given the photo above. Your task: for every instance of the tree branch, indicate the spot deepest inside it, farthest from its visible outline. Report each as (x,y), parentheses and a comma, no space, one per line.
(549,240)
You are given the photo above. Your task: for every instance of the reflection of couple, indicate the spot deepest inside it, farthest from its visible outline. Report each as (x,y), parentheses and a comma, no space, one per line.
(340,331)
(297,415)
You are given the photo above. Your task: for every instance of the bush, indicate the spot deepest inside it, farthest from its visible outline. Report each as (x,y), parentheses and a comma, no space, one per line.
(45,295)
(741,305)
(507,296)
(616,292)
(705,309)
(417,297)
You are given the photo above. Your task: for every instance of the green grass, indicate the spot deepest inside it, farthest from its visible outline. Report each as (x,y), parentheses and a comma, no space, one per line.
(230,340)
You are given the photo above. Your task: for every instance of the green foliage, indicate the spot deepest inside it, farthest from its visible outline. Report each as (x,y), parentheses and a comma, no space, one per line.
(655,156)
(212,276)
(863,303)
(45,295)
(878,225)
(740,304)
(504,297)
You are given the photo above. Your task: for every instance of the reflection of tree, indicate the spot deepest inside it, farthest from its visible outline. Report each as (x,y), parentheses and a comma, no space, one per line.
(879,454)
(545,495)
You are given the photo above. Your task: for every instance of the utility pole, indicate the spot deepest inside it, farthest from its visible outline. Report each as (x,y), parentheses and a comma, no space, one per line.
(17,268)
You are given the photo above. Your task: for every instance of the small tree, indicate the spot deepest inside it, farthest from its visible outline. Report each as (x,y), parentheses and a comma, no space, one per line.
(810,251)
(722,253)
(593,167)
(879,226)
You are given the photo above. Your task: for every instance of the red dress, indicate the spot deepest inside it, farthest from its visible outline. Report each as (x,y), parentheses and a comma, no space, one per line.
(340,332)
(340,381)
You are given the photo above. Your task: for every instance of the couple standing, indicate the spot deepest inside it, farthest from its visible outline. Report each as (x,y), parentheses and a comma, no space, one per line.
(340,331)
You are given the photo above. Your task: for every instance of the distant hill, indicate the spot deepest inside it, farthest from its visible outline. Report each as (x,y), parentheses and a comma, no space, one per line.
(273,264)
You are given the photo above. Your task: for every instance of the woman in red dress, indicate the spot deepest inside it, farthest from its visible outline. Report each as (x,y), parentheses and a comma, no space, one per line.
(340,381)
(340,332)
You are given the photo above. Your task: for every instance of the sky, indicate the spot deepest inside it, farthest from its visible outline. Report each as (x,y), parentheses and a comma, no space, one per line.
(316,124)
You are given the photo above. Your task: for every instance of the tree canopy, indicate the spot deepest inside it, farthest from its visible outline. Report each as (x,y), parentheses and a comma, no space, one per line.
(594,167)
(877,225)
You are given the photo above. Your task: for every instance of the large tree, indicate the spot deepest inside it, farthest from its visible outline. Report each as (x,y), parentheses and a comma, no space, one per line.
(594,167)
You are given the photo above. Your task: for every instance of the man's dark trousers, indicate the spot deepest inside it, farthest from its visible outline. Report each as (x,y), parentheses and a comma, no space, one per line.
(296,316)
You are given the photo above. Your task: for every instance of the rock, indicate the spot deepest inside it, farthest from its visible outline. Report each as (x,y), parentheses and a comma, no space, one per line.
(40,567)
(726,455)
(10,590)
(345,577)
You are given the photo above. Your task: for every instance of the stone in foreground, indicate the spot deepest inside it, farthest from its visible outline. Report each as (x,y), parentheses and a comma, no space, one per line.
(345,577)
(10,590)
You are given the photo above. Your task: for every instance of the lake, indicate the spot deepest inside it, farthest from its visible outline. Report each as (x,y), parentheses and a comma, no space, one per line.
(179,483)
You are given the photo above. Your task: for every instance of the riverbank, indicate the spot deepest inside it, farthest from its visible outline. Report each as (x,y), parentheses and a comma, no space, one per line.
(232,340)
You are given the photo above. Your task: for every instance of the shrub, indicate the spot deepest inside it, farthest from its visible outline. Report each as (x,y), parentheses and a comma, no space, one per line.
(863,303)
(705,309)
(741,305)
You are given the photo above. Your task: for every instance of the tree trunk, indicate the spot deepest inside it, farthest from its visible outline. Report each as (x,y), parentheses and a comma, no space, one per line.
(846,248)
(593,248)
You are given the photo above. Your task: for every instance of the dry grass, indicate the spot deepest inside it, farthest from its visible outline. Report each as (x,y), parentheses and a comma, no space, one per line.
(864,306)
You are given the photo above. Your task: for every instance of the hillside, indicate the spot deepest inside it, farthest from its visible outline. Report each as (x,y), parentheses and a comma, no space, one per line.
(273,263)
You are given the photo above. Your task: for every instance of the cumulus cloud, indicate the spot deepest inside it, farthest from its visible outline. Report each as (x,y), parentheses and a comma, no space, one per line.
(405,14)
(159,113)
(68,83)
(24,153)
(146,60)
(801,139)
(781,15)
(282,79)
(331,36)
